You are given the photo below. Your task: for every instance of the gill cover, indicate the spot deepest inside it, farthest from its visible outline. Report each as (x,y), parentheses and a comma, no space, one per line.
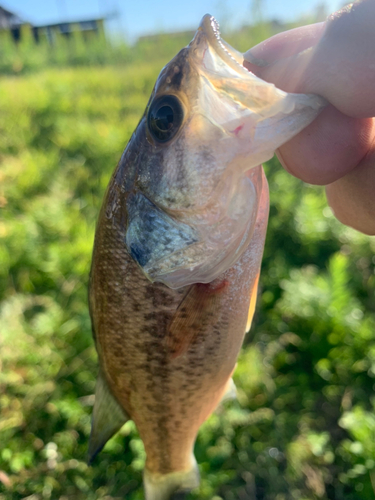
(152,233)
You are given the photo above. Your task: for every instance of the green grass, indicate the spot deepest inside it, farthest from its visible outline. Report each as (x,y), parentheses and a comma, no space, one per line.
(99,50)
(304,425)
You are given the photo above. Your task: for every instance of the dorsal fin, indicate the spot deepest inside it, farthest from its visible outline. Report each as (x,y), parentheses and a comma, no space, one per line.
(253,301)
(200,305)
(107,418)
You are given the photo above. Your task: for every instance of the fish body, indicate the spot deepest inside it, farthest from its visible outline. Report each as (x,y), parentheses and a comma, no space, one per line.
(167,355)
(178,249)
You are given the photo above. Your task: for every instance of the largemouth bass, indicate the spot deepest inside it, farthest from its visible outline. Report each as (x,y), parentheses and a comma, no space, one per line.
(178,249)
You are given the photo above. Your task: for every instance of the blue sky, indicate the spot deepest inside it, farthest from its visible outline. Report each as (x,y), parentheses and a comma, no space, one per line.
(138,17)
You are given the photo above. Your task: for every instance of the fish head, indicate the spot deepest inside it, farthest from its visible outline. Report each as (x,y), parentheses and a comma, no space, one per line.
(188,176)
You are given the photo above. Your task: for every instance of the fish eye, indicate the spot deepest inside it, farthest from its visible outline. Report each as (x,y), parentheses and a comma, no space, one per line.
(164,117)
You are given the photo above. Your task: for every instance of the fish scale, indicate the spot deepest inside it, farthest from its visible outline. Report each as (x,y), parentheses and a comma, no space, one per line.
(168,398)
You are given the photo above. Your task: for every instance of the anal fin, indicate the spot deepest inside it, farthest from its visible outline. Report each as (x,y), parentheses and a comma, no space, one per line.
(107,418)
(230,392)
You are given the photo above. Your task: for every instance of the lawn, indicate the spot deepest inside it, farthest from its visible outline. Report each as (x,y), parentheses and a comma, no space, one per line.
(303,427)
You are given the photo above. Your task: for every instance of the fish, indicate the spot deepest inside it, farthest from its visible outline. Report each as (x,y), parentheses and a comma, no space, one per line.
(178,249)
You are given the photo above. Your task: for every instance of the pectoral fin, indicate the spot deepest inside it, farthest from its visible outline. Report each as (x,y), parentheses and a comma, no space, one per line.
(197,309)
(107,418)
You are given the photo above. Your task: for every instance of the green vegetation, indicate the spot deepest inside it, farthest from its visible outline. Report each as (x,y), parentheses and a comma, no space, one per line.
(79,51)
(304,425)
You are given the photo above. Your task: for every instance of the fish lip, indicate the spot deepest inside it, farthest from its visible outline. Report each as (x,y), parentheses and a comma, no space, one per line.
(210,30)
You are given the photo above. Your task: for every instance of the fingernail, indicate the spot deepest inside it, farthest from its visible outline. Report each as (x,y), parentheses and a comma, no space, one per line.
(249,56)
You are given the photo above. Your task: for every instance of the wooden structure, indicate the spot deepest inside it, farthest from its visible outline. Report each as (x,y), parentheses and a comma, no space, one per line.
(16,26)
(11,22)
(67,28)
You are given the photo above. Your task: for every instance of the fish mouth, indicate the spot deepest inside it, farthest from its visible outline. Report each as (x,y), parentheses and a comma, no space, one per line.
(208,33)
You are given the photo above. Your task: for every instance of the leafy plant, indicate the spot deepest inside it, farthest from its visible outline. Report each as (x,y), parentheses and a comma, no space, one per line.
(303,426)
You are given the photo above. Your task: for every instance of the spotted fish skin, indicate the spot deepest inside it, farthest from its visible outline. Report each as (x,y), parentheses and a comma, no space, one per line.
(178,250)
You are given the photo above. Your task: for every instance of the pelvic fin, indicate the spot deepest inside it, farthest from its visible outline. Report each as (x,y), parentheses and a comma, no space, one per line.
(107,418)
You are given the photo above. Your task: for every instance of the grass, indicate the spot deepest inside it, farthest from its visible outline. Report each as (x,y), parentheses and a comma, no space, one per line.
(303,426)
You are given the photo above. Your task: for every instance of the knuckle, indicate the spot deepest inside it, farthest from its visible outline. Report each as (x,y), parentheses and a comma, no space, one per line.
(351,20)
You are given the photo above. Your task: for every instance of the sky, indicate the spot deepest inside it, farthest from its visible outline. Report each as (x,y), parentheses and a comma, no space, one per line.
(139,17)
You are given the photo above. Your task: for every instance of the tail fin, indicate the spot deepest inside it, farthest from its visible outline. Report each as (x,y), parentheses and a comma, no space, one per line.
(163,486)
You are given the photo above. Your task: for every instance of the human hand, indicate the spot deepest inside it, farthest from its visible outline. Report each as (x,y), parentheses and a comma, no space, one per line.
(336,60)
